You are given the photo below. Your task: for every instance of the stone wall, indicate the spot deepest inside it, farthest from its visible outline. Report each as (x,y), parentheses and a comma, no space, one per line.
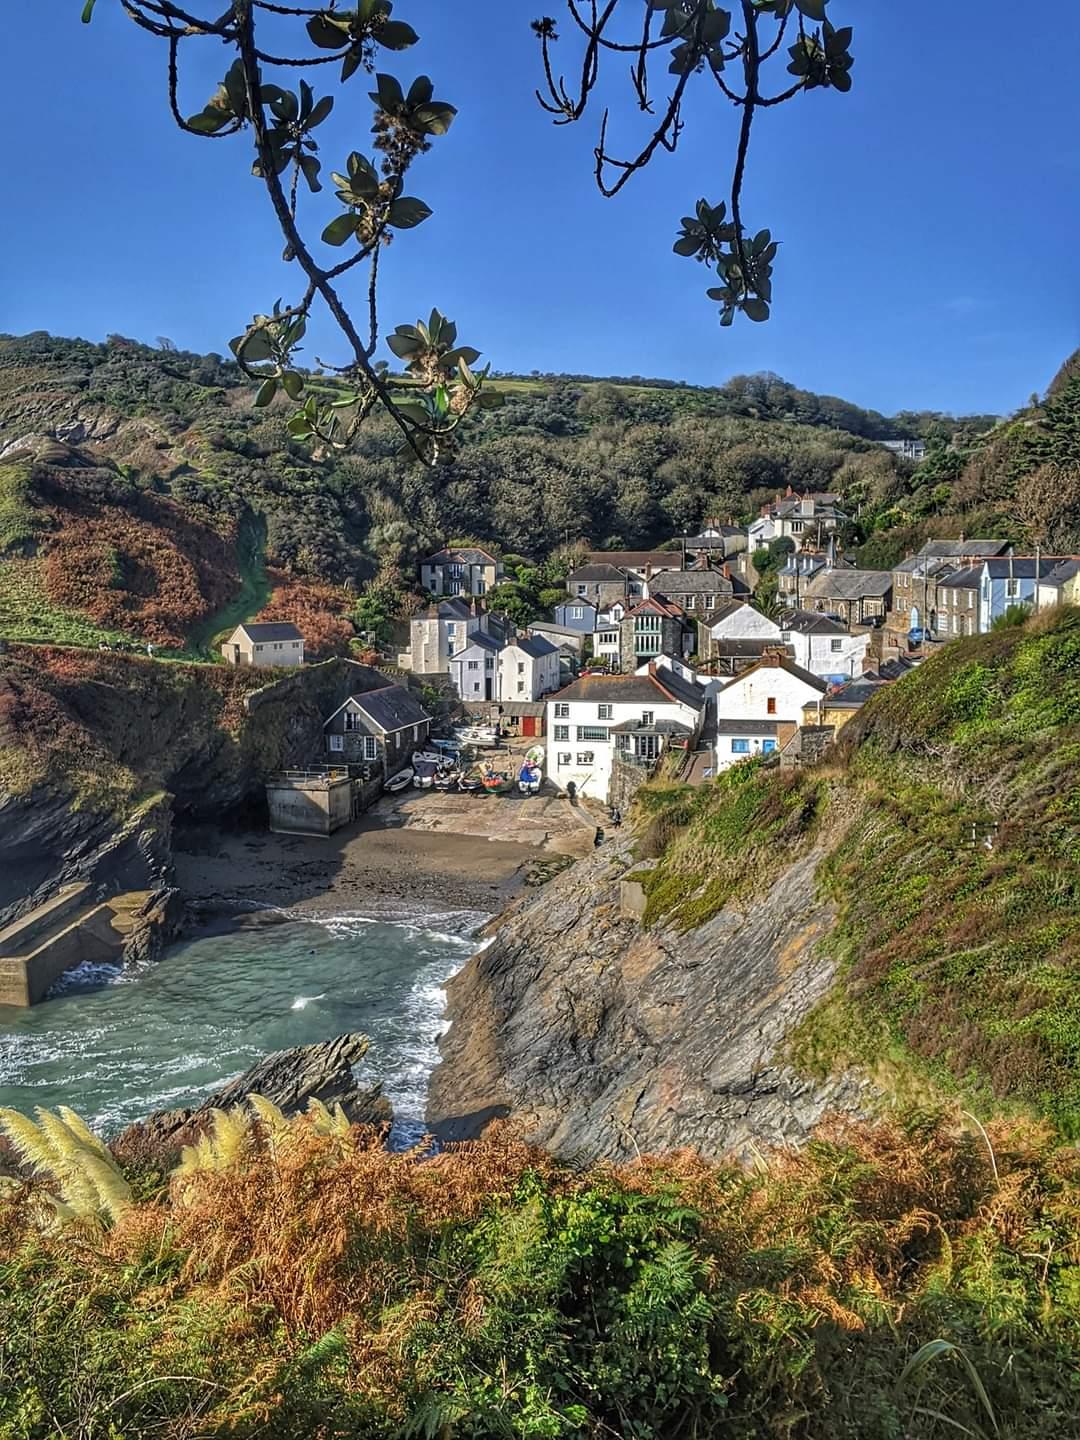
(626,781)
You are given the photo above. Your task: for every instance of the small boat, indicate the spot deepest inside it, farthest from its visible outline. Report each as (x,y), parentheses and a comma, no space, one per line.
(469,784)
(478,735)
(424,773)
(445,780)
(493,781)
(529,777)
(399,781)
(432,757)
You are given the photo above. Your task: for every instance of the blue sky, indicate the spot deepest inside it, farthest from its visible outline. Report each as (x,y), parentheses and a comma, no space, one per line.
(929,219)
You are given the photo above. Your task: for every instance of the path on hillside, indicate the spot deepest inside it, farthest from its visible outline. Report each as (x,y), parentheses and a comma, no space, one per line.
(254,589)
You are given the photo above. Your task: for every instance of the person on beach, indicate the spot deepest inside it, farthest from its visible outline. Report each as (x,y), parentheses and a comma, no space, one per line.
(598,838)
(616,817)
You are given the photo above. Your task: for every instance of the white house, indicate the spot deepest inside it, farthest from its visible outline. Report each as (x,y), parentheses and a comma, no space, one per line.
(474,668)
(760,705)
(736,621)
(527,668)
(824,647)
(632,717)
(436,633)
(605,644)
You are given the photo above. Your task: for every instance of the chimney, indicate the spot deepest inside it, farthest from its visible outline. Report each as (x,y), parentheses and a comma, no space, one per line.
(790,492)
(727,571)
(652,669)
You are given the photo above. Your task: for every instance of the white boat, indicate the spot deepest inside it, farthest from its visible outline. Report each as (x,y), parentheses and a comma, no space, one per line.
(423,773)
(529,778)
(399,781)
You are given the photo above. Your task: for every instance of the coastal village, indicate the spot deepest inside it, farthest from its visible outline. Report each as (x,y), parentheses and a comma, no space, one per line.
(665,654)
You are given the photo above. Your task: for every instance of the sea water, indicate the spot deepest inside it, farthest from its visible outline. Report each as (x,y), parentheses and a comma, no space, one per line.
(115,1044)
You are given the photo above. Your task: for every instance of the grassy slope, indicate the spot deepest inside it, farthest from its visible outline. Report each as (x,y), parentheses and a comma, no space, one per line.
(960,961)
(205,637)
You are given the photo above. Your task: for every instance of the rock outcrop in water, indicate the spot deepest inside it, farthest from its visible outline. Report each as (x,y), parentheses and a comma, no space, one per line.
(605,1039)
(290,1078)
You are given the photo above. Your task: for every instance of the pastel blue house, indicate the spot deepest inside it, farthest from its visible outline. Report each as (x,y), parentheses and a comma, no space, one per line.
(577,615)
(1009,581)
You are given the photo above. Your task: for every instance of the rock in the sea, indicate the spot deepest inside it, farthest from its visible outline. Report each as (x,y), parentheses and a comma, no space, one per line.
(606,1039)
(290,1078)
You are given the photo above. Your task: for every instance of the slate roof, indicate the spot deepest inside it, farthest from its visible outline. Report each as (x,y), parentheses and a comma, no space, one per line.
(755,649)
(276,630)
(781,663)
(852,696)
(585,573)
(453,609)
(1063,571)
(967,578)
(632,690)
(481,638)
(697,582)
(964,549)
(1022,567)
(746,727)
(535,646)
(807,622)
(468,555)
(850,584)
(658,727)
(392,708)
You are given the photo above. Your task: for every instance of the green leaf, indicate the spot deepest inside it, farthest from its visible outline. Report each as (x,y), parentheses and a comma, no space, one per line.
(433,119)
(715,27)
(267,391)
(255,347)
(351,63)
(284,105)
(403,346)
(407,212)
(464,353)
(420,92)
(388,94)
(340,229)
(209,121)
(88,11)
(293,383)
(687,245)
(327,33)
(841,80)
(310,166)
(814,8)
(414,411)
(396,35)
(299,427)
(755,309)
(320,112)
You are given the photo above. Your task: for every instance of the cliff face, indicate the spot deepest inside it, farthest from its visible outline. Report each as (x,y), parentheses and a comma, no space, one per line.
(606,1039)
(98,753)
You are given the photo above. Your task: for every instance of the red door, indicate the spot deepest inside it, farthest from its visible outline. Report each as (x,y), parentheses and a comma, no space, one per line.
(528,725)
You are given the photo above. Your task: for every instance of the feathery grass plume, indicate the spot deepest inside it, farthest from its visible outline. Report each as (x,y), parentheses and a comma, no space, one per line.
(31,1144)
(112,1190)
(79,1128)
(273,1118)
(320,1117)
(232,1135)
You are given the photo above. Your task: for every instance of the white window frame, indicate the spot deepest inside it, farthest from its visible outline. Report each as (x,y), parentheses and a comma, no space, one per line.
(337,742)
(371,747)
(560,732)
(562,710)
(603,712)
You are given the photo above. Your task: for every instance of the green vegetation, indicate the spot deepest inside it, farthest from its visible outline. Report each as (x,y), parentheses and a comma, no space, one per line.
(26,614)
(950,826)
(253,595)
(20,522)
(293,1279)
(723,841)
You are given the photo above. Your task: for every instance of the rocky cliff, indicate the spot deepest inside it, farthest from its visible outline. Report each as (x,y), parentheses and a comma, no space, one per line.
(99,754)
(608,1039)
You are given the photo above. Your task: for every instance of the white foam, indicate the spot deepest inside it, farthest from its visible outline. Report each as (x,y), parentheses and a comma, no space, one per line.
(303,1001)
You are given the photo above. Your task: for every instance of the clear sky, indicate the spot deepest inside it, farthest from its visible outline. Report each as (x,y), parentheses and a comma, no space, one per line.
(930,218)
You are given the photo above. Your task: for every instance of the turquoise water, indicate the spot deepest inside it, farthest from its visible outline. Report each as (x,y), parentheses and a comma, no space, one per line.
(115,1045)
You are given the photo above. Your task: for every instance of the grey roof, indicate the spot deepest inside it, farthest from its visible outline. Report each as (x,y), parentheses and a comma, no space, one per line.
(658,727)
(746,727)
(696,582)
(271,630)
(535,645)
(723,611)
(1021,567)
(781,663)
(807,622)
(966,579)
(752,648)
(850,584)
(964,549)
(853,695)
(586,573)
(480,638)
(466,555)
(635,559)
(391,708)
(632,690)
(1064,570)
(453,609)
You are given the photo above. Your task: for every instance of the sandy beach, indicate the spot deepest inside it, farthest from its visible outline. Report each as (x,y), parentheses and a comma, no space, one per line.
(439,851)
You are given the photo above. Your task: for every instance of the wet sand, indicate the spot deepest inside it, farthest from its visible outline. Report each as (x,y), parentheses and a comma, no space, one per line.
(438,851)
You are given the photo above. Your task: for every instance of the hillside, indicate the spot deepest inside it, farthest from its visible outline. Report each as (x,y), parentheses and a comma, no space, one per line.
(143,498)
(828,941)
(902,919)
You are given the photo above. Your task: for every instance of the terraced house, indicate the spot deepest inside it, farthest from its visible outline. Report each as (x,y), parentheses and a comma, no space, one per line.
(653,627)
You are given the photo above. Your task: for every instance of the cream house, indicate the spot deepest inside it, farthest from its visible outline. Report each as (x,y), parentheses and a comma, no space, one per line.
(269,644)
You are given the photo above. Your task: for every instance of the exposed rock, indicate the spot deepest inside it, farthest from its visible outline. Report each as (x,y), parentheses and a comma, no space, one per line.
(608,1040)
(290,1078)
(158,922)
